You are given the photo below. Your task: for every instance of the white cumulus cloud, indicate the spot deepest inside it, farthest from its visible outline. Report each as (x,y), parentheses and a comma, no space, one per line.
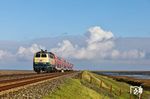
(26,53)
(23,53)
(97,34)
(99,45)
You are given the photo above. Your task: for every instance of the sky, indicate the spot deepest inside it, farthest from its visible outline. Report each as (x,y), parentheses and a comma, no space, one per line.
(86,32)
(30,19)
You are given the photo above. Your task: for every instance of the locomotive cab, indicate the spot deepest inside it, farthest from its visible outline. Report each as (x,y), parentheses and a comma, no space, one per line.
(43,61)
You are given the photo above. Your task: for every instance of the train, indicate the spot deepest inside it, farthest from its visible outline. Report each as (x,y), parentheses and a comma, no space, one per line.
(44,61)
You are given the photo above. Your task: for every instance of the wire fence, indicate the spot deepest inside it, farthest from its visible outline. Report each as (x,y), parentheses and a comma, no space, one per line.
(118,92)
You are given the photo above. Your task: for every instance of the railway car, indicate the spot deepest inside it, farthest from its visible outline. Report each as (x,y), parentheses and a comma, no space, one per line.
(49,62)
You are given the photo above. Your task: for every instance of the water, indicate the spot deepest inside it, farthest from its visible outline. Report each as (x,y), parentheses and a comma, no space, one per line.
(128,74)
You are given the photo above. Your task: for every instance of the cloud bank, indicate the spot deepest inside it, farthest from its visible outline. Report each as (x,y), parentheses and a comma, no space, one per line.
(97,49)
(22,54)
(5,55)
(99,45)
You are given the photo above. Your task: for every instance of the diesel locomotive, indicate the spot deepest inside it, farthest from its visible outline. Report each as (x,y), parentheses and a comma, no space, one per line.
(49,62)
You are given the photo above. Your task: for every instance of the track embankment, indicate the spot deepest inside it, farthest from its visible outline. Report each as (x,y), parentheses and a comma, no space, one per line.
(13,83)
(29,87)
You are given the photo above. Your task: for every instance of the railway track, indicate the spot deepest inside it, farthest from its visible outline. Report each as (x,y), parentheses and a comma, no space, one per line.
(14,83)
(15,76)
(23,77)
(7,75)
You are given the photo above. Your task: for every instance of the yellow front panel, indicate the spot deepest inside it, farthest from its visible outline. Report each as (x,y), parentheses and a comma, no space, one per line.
(41,60)
(45,59)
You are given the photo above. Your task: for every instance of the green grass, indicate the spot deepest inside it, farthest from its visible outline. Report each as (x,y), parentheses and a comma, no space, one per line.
(106,83)
(87,86)
(73,89)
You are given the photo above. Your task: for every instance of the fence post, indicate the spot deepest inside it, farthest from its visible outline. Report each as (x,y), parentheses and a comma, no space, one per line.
(101,83)
(130,96)
(140,97)
(90,79)
(119,92)
(81,76)
(110,88)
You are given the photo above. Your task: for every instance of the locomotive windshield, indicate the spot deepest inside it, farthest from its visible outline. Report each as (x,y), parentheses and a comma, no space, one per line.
(43,55)
(40,55)
(37,55)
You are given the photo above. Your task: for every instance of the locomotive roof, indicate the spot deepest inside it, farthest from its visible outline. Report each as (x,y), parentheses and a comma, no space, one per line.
(42,51)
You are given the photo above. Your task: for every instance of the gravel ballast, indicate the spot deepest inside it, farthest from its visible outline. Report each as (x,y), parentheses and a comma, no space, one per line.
(36,90)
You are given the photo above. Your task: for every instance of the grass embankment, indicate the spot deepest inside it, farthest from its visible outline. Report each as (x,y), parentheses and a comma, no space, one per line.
(92,86)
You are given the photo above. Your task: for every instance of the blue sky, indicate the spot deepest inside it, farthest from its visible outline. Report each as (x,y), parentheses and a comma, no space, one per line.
(117,32)
(30,19)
